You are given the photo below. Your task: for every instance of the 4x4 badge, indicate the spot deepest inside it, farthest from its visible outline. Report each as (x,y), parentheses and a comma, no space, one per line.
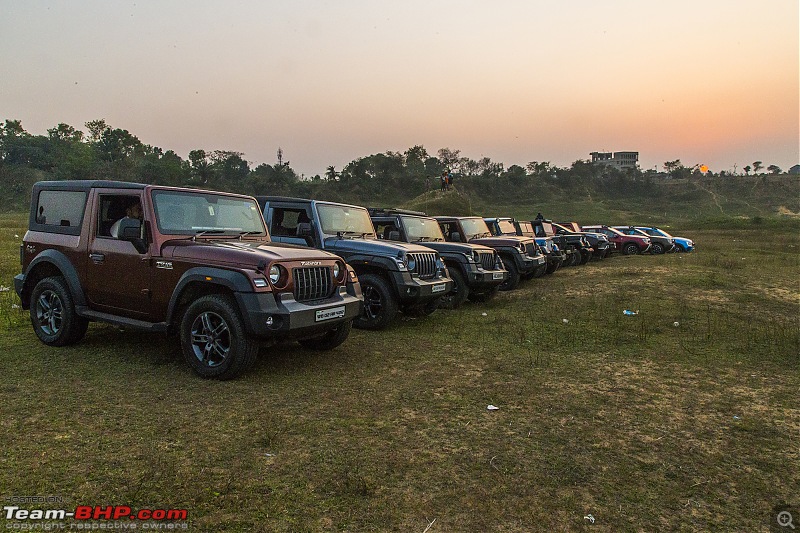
(164,264)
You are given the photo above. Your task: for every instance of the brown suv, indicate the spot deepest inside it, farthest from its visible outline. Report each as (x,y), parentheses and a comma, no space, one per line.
(163,259)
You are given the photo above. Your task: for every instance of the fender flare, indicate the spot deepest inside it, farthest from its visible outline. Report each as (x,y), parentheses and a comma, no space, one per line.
(383,263)
(230,279)
(64,265)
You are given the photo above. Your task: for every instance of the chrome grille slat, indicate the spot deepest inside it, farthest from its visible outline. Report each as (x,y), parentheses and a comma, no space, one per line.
(425,264)
(313,283)
(487,260)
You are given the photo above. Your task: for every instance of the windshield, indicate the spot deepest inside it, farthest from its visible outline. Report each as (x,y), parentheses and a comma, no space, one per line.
(422,229)
(526,228)
(657,232)
(507,227)
(474,227)
(189,213)
(345,219)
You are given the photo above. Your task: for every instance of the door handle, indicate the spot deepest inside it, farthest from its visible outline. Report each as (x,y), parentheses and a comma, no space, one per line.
(97,258)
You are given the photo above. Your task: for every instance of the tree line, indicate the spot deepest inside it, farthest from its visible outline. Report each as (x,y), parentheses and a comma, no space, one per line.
(106,152)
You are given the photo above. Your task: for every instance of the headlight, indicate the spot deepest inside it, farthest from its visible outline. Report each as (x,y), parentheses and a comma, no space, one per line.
(274,274)
(439,264)
(521,247)
(411,263)
(336,270)
(476,257)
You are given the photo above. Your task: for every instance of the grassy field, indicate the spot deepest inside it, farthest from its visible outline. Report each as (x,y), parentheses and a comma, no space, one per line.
(683,417)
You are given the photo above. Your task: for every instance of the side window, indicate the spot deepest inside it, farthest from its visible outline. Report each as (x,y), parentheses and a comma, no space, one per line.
(383,229)
(113,208)
(61,208)
(285,221)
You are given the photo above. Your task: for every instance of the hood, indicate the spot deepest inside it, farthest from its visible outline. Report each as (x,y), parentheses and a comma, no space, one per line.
(240,253)
(456,247)
(505,240)
(372,247)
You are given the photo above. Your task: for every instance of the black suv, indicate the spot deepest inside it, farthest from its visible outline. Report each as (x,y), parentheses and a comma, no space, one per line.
(521,257)
(163,259)
(394,276)
(599,246)
(508,226)
(477,271)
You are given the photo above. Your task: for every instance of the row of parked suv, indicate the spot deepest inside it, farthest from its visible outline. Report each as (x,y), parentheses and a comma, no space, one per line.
(227,272)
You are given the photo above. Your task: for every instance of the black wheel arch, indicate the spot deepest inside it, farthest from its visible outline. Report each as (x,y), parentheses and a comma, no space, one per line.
(52,263)
(194,284)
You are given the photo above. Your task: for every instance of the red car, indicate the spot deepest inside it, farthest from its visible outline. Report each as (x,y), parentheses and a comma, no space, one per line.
(627,244)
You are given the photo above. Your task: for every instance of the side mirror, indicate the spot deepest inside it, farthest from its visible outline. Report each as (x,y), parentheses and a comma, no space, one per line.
(304,229)
(130,229)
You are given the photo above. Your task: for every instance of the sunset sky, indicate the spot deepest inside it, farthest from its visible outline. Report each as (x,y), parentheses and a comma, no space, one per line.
(703,81)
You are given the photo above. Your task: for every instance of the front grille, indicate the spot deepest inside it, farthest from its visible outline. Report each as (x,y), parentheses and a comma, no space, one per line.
(425,266)
(487,260)
(530,249)
(314,283)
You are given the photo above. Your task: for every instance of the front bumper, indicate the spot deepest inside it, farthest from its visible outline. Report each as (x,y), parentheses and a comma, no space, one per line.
(527,264)
(485,279)
(266,315)
(413,290)
(601,249)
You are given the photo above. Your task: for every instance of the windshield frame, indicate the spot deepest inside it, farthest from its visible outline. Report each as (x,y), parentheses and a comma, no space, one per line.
(415,238)
(257,227)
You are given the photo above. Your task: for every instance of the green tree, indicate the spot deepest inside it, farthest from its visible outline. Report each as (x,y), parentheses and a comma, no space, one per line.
(774,169)
(331,174)
(746,169)
(757,165)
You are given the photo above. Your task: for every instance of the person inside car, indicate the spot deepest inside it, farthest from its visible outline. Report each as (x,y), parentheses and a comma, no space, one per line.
(133,211)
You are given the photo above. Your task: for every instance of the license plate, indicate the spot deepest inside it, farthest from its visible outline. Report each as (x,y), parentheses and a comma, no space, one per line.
(497,275)
(327,314)
(439,287)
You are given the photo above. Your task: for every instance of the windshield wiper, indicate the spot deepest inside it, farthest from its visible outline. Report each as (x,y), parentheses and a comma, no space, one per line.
(243,233)
(359,233)
(202,232)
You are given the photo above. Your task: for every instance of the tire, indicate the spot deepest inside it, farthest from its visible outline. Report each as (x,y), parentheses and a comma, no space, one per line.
(678,249)
(484,296)
(53,314)
(540,271)
(330,339)
(575,260)
(380,303)
(213,338)
(586,256)
(630,248)
(657,248)
(458,294)
(512,281)
(552,267)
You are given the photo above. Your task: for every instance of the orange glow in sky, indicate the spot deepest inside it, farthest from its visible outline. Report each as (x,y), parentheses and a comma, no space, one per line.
(712,81)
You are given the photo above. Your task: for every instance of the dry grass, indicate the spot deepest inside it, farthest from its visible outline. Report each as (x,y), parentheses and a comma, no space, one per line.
(642,424)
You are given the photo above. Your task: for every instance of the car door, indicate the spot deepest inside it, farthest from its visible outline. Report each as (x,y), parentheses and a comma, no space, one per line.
(117,274)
